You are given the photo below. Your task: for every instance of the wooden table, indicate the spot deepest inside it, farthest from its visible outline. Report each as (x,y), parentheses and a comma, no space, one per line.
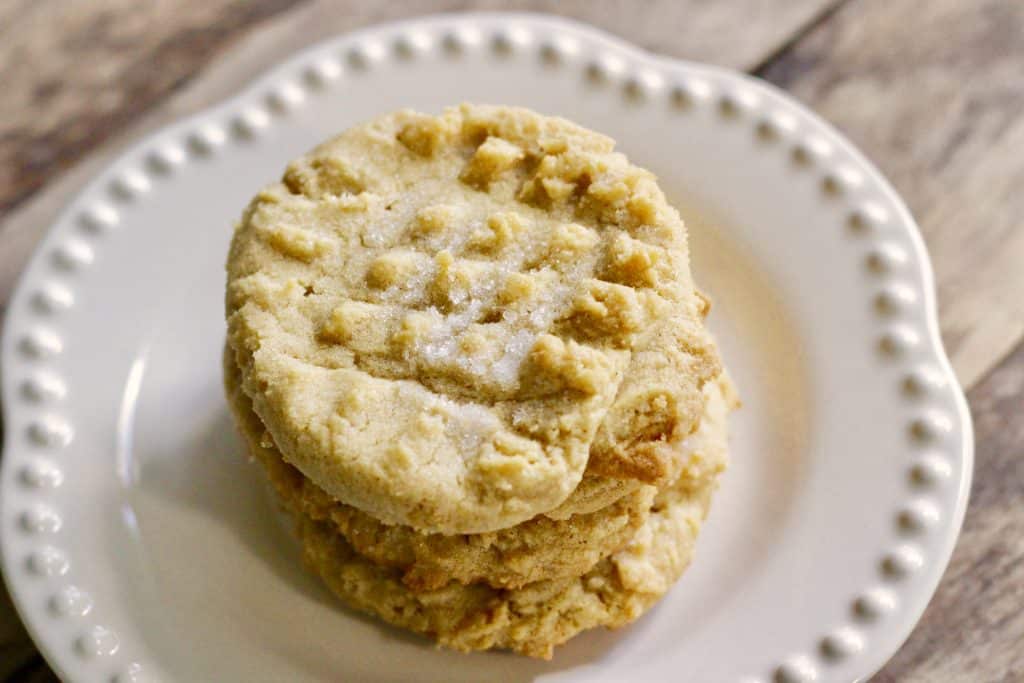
(932,91)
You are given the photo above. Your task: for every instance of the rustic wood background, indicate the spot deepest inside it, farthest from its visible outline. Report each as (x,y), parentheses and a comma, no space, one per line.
(932,91)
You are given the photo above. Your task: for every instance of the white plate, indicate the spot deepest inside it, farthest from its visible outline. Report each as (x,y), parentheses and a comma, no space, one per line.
(138,543)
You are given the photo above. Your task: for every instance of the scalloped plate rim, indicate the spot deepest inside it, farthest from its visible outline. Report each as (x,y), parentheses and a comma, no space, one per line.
(923,271)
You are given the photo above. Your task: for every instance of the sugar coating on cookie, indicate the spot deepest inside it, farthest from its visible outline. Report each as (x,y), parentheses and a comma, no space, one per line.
(440,319)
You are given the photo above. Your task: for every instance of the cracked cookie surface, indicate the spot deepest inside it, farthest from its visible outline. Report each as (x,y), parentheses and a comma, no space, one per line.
(442,320)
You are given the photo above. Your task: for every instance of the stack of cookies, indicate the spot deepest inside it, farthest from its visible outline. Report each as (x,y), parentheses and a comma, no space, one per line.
(468,352)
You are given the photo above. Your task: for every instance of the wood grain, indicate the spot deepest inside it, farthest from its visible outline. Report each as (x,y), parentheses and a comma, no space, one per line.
(973,629)
(934,94)
(87,69)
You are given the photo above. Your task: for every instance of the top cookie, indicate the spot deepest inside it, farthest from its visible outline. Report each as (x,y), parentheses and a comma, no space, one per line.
(433,316)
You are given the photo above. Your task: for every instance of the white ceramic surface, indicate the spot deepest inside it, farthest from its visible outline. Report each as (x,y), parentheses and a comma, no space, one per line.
(139,545)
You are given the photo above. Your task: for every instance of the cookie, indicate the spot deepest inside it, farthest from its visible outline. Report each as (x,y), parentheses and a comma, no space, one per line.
(535,618)
(540,548)
(441,320)
(616,468)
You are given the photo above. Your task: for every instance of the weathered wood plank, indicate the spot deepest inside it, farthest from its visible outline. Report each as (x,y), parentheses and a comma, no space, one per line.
(934,94)
(77,73)
(973,629)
